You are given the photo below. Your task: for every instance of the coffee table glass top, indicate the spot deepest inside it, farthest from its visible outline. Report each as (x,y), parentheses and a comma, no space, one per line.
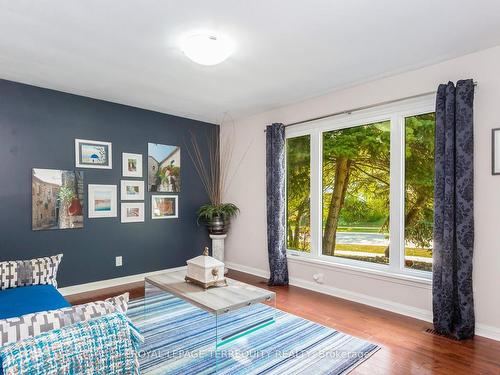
(217,300)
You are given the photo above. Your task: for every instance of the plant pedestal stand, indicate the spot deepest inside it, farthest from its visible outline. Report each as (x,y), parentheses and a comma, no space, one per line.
(218,247)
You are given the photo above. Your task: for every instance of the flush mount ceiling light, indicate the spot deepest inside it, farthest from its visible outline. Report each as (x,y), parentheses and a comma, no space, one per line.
(207,48)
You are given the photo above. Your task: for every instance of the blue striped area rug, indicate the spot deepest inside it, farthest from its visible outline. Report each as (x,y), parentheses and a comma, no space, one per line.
(181,339)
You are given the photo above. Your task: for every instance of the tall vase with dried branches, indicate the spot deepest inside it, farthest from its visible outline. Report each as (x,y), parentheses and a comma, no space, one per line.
(216,174)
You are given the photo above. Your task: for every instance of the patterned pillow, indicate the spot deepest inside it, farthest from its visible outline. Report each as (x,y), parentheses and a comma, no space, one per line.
(120,302)
(29,325)
(29,272)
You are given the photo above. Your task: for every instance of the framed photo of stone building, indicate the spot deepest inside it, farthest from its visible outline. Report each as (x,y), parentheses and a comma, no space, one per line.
(164,168)
(57,198)
(93,154)
(164,206)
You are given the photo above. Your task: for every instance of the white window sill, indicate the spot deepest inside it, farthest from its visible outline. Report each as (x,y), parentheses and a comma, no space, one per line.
(373,271)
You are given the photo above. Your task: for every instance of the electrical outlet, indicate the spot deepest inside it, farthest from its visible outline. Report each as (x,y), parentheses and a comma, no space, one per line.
(119,261)
(319,278)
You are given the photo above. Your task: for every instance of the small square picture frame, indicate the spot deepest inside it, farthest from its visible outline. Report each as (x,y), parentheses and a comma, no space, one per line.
(164,207)
(131,190)
(102,201)
(131,165)
(132,212)
(93,154)
(495,151)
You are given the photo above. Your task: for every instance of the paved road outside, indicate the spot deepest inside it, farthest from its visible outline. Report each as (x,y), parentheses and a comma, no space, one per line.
(362,238)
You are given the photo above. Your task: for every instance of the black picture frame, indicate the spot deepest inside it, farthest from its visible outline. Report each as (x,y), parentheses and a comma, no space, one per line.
(495,169)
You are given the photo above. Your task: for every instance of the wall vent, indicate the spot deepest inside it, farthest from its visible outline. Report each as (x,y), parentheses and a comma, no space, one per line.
(436,333)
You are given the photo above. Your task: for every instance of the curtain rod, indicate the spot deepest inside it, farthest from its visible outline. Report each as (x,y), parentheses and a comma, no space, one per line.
(349,111)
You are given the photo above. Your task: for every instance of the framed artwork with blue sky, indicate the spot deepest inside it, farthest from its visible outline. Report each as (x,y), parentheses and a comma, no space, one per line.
(93,154)
(164,168)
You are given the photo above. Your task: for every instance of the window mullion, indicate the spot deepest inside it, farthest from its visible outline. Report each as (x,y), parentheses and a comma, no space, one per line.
(396,225)
(315,193)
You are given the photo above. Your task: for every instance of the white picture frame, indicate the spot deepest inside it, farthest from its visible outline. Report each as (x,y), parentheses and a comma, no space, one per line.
(131,165)
(131,190)
(132,212)
(93,154)
(102,201)
(164,207)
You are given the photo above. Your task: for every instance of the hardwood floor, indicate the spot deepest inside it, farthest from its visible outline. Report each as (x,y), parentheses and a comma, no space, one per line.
(406,347)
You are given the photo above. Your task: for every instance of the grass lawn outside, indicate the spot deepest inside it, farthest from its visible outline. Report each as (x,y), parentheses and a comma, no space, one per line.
(409,251)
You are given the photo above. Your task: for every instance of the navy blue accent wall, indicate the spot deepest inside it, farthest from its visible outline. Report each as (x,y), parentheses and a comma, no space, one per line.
(37,130)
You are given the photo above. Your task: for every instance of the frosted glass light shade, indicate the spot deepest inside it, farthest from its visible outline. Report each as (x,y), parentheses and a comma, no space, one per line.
(207,49)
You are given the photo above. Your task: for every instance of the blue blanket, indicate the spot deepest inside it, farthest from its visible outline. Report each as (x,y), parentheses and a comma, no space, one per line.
(30,299)
(105,345)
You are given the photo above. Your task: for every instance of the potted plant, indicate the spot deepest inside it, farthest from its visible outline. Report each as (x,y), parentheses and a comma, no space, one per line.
(66,195)
(217,217)
(168,178)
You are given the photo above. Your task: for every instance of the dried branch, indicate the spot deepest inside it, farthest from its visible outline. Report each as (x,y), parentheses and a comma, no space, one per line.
(215,171)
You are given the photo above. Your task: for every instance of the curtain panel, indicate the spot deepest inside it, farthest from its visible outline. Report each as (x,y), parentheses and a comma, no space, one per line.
(453,302)
(276,201)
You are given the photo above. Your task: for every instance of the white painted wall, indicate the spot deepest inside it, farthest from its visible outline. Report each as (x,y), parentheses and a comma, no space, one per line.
(246,244)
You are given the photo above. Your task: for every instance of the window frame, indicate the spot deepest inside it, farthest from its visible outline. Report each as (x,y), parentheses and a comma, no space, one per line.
(396,113)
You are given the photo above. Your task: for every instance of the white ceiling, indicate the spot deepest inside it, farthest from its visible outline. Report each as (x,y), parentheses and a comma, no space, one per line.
(126,51)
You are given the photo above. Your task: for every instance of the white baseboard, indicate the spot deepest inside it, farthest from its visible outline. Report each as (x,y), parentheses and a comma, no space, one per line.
(488,331)
(380,303)
(75,289)
(481,329)
(246,269)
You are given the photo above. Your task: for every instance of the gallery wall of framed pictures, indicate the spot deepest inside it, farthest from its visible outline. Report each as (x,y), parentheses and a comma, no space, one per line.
(58,196)
(43,212)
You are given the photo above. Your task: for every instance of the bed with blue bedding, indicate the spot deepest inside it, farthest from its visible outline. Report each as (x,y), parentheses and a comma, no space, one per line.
(41,333)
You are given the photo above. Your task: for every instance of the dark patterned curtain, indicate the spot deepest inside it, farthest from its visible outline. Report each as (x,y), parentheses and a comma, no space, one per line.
(276,200)
(453,303)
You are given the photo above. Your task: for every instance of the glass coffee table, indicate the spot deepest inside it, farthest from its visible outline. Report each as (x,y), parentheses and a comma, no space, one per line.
(193,321)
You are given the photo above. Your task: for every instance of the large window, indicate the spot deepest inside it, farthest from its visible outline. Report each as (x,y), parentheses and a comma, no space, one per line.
(360,189)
